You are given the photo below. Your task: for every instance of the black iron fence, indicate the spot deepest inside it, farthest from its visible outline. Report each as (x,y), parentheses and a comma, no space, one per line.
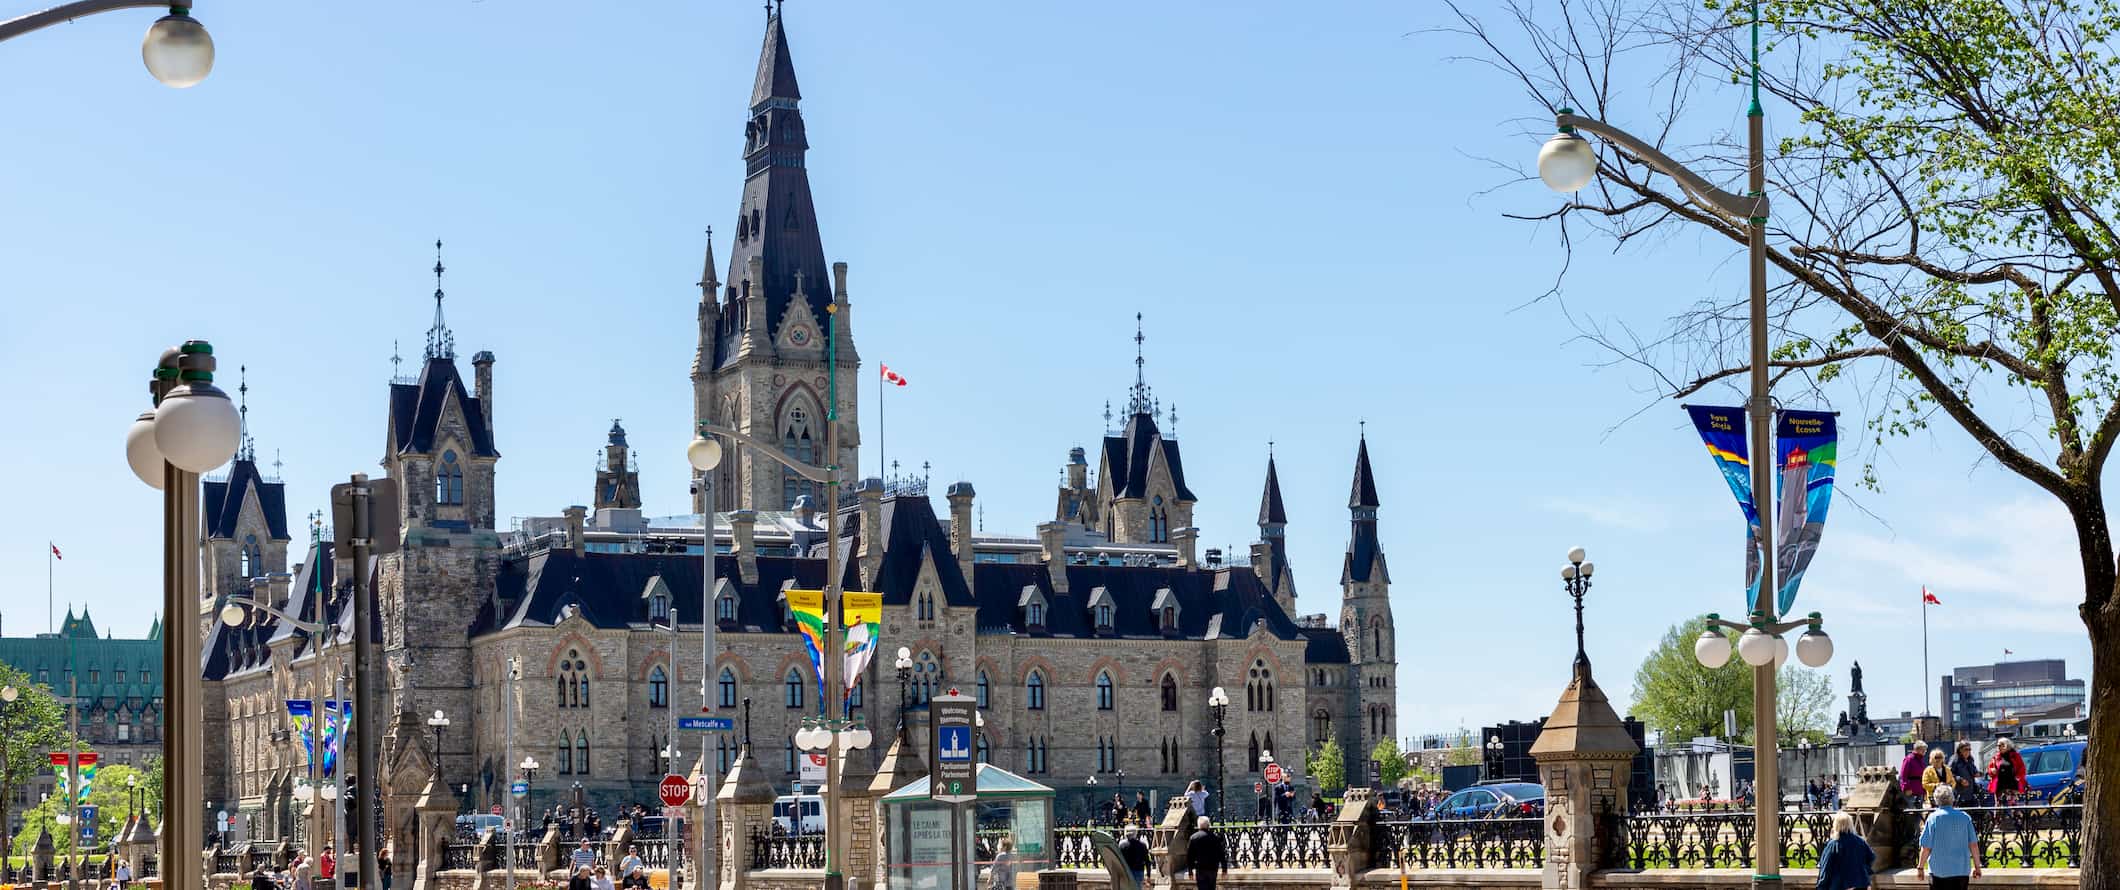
(525,856)
(460,857)
(227,863)
(1462,843)
(775,850)
(1073,848)
(2035,836)
(654,852)
(1277,845)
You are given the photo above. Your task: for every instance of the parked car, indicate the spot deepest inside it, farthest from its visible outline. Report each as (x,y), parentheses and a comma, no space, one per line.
(475,824)
(2050,769)
(811,820)
(1496,800)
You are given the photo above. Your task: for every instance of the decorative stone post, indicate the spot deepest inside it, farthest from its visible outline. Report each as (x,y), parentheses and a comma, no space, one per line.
(901,766)
(40,858)
(1167,847)
(857,803)
(1585,757)
(746,806)
(1879,807)
(436,815)
(1350,840)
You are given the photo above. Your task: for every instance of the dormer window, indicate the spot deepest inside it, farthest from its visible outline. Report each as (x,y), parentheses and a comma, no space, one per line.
(659,608)
(725,609)
(1165,607)
(1104,618)
(1102,612)
(1033,605)
(1035,615)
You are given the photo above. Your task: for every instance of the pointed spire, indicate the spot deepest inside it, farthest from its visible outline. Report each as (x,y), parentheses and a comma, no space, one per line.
(776,67)
(1364,493)
(1270,510)
(440,343)
(708,284)
(246,449)
(1138,400)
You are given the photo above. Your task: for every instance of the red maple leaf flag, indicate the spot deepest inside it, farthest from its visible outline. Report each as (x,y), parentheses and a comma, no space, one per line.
(1929,599)
(55,550)
(890,376)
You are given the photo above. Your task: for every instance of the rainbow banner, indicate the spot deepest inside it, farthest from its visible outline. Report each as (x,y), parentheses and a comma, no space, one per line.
(300,711)
(1723,431)
(1806,449)
(807,607)
(864,617)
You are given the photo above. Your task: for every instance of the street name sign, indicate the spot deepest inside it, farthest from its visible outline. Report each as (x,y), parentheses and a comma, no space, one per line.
(950,719)
(707,724)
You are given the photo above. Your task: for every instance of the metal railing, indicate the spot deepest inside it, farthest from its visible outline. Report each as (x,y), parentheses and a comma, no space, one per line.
(2030,836)
(1277,845)
(526,856)
(1463,843)
(776,850)
(1073,848)
(227,863)
(654,852)
(460,857)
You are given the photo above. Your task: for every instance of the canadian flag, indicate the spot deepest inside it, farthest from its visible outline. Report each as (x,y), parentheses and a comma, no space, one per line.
(891,376)
(1929,599)
(55,550)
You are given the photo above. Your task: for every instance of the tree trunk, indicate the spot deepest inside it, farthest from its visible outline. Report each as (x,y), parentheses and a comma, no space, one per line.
(2101,763)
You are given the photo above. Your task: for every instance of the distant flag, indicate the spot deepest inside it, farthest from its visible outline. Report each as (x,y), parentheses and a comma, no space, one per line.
(1929,599)
(2009,651)
(890,376)
(55,550)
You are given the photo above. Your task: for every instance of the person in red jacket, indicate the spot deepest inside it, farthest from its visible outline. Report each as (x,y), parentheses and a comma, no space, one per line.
(327,864)
(2006,778)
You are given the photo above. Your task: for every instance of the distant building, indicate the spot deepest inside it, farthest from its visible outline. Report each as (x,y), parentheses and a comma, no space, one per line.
(1996,699)
(116,688)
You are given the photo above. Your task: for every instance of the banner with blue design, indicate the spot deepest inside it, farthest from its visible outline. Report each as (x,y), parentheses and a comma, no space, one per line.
(336,716)
(1723,431)
(1806,450)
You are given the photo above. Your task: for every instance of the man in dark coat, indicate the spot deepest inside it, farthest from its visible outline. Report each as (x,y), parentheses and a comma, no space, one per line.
(1204,852)
(1133,851)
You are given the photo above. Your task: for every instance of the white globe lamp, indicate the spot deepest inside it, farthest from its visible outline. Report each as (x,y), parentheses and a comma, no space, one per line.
(1566,163)
(140,450)
(1712,649)
(1756,647)
(1814,648)
(177,49)
(197,427)
(704,453)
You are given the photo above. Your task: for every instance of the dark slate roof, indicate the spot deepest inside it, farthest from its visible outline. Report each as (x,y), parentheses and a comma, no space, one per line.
(1216,604)
(234,650)
(416,409)
(605,588)
(1128,453)
(1326,646)
(224,501)
(1364,491)
(913,535)
(776,68)
(1364,554)
(1270,510)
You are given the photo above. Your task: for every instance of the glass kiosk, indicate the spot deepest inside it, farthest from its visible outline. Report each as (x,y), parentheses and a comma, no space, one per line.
(939,846)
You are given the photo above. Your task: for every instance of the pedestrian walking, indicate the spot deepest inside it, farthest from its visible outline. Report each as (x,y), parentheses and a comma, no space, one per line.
(1133,853)
(1936,775)
(2006,772)
(124,874)
(1206,856)
(584,856)
(1965,775)
(1910,768)
(1001,875)
(1264,813)
(1141,807)
(601,880)
(1950,852)
(1844,863)
(632,872)
(1196,797)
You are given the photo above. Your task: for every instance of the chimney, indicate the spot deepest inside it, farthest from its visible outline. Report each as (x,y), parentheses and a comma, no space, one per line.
(743,534)
(482,375)
(577,516)
(278,582)
(1051,536)
(960,495)
(1262,562)
(870,491)
(1187,540)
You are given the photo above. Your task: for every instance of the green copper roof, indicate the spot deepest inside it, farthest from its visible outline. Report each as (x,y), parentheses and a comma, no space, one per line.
(994,783)
(104,668)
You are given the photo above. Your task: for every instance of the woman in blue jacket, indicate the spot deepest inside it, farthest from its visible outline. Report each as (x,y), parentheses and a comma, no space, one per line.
(1844,864)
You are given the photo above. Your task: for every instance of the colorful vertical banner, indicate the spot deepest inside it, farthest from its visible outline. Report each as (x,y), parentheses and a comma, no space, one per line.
(338,718)
(807,607)
(300,714)
(59,766)
(1806,450)
(88,776)
(306,727)
(1723,431)
(864,618)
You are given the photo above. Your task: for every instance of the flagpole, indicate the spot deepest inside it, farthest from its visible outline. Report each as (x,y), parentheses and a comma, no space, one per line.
(1925,651)
(883,441)
(50,610)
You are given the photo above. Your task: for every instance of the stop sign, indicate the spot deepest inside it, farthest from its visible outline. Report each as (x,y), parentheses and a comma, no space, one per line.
(674,790)
(1274,774)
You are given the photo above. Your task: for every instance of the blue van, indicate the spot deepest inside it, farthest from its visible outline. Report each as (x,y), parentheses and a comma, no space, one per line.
(2051,768)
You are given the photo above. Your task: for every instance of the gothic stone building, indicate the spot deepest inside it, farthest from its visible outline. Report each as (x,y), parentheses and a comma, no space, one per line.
(1091,648)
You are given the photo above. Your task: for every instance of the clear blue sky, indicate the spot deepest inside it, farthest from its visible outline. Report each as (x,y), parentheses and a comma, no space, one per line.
(1297,202)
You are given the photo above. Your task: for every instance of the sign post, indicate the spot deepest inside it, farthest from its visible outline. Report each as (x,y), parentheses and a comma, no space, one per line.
(950,719)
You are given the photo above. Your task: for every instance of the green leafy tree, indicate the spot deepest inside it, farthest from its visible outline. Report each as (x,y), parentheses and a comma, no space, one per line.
(1942,245)
(1679,699)
(1391,765)
(1803,702)
(1327,766)
(109,795)
(30,728)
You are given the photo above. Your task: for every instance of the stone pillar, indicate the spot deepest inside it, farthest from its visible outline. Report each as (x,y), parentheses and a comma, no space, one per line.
(615,848)
(743,541)
(40,858)
(1052,550)
(1584,758)
(960,497)
(1187,540)
(435,813)
(901,766)
(549,851)
(1879,807)
(870,555)
(1166,848)
(858,804)
(746,806)
(1350,842)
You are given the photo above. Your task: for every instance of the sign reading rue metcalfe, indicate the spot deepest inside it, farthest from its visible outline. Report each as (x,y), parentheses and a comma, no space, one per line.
(956,775)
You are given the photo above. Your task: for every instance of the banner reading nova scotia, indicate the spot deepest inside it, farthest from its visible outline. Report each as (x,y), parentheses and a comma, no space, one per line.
(1723,430)
(1807,449)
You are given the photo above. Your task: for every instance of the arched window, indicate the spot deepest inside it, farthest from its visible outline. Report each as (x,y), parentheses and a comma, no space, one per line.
(581,752)
(985,753)
(248,564)
(449,480)
(1322,728)
(793,691)
(1253,760)
(1258,687)
(1170,693)
(1034,692)
(1104,691)
(797,441)
(658,688)
(983,690)
(925,607)
(573,681)
(1158,522)
(854,695)
(728,688)
(566,755)
(723,753)
(788,748)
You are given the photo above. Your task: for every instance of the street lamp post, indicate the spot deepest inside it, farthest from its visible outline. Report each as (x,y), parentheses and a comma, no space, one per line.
(177,49)
(904,664)
(703,454)
(235,613)
(438,722)
(529,768)
(1218,707)
(192,429)
(509,828)
(1090,812)
(1494,757)
(8,694)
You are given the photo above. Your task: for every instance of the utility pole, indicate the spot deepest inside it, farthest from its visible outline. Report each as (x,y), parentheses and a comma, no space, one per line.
(357,523)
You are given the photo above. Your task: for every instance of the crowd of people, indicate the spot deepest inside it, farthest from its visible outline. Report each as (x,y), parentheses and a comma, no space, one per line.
(1272,803)
(2001,781)
(303,872)
(586,869)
